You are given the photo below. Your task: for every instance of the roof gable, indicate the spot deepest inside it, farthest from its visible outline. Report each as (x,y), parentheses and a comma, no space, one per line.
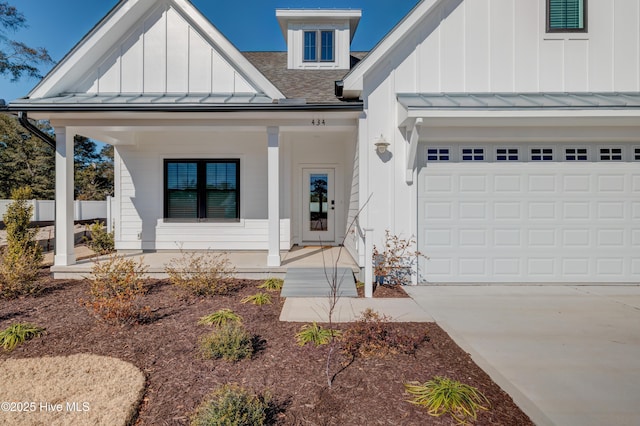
(154,47)
(353,81)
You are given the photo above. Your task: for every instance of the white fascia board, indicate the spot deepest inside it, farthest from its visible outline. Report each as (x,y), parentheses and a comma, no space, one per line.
(229,50)
(506,118)
(353,81)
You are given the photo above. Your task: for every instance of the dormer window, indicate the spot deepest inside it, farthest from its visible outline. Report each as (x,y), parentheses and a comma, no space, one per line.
(566,16)
(314,51)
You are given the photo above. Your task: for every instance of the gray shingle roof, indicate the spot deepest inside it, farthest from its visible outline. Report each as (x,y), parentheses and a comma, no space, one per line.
(316,86)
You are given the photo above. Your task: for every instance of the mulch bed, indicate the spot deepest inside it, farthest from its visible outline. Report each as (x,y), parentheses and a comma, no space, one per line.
(384,291)
(367,391)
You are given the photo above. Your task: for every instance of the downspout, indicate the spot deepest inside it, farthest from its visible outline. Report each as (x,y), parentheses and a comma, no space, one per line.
(24,121)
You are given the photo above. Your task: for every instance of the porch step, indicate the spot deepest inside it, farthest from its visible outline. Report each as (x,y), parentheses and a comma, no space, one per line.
(312,282)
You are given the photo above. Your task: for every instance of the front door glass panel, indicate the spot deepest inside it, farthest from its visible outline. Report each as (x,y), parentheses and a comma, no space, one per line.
(318,205)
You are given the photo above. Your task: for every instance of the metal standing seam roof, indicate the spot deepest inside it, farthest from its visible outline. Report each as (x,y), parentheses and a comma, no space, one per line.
(147,99)
(480,101)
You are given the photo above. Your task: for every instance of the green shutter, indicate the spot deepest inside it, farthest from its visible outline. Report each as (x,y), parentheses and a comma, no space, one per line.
(566,14)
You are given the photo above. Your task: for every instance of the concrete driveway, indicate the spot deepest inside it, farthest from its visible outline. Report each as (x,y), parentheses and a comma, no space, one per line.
(568,355)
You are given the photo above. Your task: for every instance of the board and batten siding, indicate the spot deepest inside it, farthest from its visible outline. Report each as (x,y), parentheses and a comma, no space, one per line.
(164,54)
(502,46)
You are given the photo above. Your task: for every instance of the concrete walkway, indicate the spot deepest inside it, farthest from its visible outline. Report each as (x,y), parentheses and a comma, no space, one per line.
(568,355)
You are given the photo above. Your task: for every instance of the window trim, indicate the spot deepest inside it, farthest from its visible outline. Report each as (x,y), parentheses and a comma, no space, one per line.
(201,189)
(585,10)
(318,48)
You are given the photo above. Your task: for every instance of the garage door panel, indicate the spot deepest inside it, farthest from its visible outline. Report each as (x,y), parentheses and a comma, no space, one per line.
(507,183)
(541,223)
(611,183)
(542,183)
(577,183)
(610,210)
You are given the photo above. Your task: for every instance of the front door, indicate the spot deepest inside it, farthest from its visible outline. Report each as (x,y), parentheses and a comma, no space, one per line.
(318,213)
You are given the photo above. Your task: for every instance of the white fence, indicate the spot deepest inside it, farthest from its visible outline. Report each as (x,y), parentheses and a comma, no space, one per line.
(45,210)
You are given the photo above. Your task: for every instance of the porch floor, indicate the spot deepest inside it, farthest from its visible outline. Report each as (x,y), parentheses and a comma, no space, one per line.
(248,264)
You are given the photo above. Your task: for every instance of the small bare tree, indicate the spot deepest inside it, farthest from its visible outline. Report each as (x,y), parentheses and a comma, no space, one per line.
(335,282)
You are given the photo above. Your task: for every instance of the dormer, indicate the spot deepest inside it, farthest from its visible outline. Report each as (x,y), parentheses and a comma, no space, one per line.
(318,39)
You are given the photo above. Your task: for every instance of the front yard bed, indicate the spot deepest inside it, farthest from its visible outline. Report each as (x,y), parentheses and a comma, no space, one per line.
(367,391)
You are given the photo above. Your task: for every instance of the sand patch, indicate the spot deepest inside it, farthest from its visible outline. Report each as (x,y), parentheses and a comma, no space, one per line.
(72,390)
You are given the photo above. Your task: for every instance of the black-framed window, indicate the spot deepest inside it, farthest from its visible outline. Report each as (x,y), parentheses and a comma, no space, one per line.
(566,16)
(636,154)
(202,189)
(319,46)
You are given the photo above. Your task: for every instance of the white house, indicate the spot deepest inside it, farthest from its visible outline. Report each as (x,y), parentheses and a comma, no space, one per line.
(512,135)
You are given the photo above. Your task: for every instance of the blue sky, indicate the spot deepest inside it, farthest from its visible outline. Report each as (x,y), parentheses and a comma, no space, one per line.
(58,25)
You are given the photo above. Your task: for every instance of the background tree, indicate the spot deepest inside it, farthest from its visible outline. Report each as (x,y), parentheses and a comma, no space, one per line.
(16,58)
(93,170)
(25,160)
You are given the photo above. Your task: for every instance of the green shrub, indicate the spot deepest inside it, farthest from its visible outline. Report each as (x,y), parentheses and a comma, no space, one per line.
(220,318)
(117,285)
(374,335)
(101,241)
(202,274)
(272,284)
(231,405)
(230,342)
(442,395)
(316,334)
(17,334)
(21,259)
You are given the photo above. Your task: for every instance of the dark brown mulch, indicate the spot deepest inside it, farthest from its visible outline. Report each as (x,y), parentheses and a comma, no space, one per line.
(384,291)
(366,391)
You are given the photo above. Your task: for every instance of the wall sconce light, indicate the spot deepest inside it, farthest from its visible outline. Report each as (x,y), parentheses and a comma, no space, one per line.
(381,145)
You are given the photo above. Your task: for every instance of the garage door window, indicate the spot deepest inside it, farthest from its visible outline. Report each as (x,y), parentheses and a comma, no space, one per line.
(438,154)
(636,154)
(507,154)
(610,154)
(576,154)
(472,154)
(541,154)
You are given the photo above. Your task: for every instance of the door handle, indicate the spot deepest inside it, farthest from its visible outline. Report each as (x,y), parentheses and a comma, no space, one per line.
(333,203)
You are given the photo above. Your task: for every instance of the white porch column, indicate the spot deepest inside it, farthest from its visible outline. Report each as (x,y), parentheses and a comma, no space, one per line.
(273,183)
(64,254)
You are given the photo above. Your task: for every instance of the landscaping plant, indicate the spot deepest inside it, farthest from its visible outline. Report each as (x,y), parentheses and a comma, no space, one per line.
(316,334)
(17,334)
(272,284)
(442,395)
(374,335)
(21,259)
(231,405)
(101,241)
(117,285)
(202,273)
(230,342)
(220,318)
(395,263)
(258,299)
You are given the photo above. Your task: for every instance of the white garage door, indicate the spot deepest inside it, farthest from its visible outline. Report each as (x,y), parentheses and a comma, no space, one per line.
(529,213)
